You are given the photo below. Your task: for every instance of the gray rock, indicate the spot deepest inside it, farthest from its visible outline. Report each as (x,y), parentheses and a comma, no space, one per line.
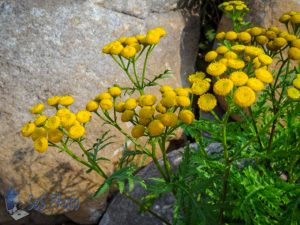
(124,211)
(54,48)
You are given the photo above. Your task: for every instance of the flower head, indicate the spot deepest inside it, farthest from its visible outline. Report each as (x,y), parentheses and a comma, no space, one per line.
(244,96)
(28,129)
(155,128)
(66,100)
(37,109)
(216,69)
(238,78)
(255,84)
(263,75)
(186,116)
(41,144)
(83,116)
(138,131)
(293,93)
(207,102)
(223,86)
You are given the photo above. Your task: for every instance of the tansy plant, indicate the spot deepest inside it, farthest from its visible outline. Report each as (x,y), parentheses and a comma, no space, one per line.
(251,178)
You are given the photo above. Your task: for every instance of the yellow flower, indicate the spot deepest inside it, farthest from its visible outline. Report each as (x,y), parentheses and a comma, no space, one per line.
(293,93)
(152,37)
(128,52)
(76,131)
(271,46)
(130,103)
(201,87)
(186,116)
(147,100)
(144,121)
(116,48)
(220,36)
(216,69)
(40,120)
(182,91)
(279,42)
(146,112)
(238,48)
(296,83)
(253,51)
(238,78)
(236,64)
(223,86)
(53,101)
(92,106)
(130,40)
(68,120)
(271,34)
(285,18)
(53,122)
(198,76)
(244,37)
(265,59)
(165,88)
(120,107)
(160,31)
(114,91)
(168,102)
(230,55)
(231,35)
(155,128)
(295,19)
(106,49)
(244,96)
(263,75)
(183,101)
(290,37)
(168,119)
(261,39)
(62,112)
(66,100)
(210,56)
(294,53)
(103,95)
(296,43)
(255,31)
(160,108)
(38,108)
(83,116)
(222,49)
(207,102)
(255,84)
(138,131)
(127,115)
(41,145)
(169,94)
(38,133)
(283,34)
(106,104)
(55,136)
(228,8)
(28,129)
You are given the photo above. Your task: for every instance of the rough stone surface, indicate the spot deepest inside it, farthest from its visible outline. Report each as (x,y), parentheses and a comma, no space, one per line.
(124,211)
(53,48)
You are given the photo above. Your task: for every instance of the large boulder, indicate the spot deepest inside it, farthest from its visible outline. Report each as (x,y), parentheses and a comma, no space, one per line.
(54,48)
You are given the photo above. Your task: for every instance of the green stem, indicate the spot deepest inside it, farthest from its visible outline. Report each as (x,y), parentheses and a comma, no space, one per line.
(256,129)
(145,64)
(165,159)
(156,162)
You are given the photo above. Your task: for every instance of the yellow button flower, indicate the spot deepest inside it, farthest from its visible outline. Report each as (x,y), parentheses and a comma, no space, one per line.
(53,101)
(160,108)
(62,112)
(116,48)
(128,52)
(53,122)
(92,106)
(293,93)
(255,84)
(231,35)
(130,103)
(296,43)
(238,48)
(255,31)
(186,116)
(76,131)
(168,102)
(198,76)
(120,107)
(253,51)
(279,42)
(207,102)
(261,39)
(68,120)
(152,37)
(295,19)
(144,121)
(223,87)
(216,69)
(220,36)
(28,129)
(127,115)
(83,116)
(263,75)
(296,83)
(244,96)
(160,31)
(183,101)
(265,59)
(55,136)
(37,109)
(66,100)
(210,56)
(183,91)
(244,37)
(147,100)
(165,88)
(238,78)
(285,18)
(41,144)
(40,120)
(230,55)
(146,112)
(103,95)
(201,87)
(294,53)
(138,131)
(130,40)
(115,91)
(168,119)
(38,133)
(155,128)
(236,64)
(222,49)
(171,94)
(106,104)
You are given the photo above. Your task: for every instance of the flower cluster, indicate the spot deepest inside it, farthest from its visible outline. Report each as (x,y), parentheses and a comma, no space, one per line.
(128,47)
(52,129)
(148,116)
(231,6)
(293,92)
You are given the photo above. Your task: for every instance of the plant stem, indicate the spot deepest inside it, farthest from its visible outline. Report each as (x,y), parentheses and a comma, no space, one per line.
(156,162)
(145,64)
(164,153)
(255,128)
